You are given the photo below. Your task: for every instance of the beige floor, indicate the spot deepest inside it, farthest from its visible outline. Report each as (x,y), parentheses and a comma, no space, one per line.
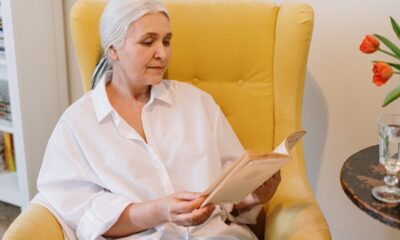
(7,214)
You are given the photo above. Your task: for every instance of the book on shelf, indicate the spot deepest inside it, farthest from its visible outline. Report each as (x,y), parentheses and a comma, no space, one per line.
(2,160)
(4,95)
(5,116)
(5,109)
(8,152)
(250,171)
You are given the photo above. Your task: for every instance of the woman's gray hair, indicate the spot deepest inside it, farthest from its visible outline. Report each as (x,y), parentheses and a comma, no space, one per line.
(119,15)
(114,24)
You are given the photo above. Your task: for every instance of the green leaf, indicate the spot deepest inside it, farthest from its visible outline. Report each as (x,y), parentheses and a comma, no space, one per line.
(389,44)
(394,65)
(392,95)
(396,27)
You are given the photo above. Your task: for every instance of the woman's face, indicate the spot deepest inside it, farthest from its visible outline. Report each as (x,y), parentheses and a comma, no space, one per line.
(145,52)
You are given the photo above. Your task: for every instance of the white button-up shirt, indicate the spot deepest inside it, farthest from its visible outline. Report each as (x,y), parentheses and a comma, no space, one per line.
(95,164)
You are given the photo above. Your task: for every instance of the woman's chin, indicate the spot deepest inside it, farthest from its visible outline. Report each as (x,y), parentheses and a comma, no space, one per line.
(155,80)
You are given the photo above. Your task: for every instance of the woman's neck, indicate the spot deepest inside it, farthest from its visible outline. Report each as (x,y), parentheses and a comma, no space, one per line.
(123,88)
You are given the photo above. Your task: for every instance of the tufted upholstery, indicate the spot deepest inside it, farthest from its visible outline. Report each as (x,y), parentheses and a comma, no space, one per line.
(251,57)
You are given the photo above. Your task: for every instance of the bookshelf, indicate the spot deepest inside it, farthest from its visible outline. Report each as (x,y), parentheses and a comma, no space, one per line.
(33,67)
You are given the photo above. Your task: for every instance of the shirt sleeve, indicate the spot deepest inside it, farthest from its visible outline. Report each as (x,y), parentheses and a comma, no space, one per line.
(231,149)
(72,189)
(229,145)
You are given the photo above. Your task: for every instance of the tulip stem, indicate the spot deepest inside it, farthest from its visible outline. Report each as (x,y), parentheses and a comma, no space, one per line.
(388,53)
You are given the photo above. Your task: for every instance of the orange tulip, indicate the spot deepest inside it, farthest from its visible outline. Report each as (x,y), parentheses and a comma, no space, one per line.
(382,72)
(370,44)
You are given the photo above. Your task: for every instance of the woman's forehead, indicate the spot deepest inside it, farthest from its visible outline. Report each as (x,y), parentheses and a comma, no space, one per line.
(152,23)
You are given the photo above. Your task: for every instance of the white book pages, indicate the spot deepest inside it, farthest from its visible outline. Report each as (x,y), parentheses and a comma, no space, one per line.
(249,172)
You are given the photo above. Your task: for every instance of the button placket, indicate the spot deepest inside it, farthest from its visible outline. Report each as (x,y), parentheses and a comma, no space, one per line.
(152,148)
(125,130)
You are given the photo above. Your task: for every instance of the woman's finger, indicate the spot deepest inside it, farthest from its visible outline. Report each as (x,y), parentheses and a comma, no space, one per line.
(197,217)
(189,196)
(183,206)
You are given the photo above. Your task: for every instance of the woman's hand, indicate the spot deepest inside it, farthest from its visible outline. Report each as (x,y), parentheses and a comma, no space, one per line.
(183,208)
(261,195)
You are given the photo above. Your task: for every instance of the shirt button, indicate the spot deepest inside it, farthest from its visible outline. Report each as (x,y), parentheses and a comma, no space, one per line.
(241,82)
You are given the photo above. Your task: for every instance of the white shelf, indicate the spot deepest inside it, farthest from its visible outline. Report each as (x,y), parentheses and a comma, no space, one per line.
(9,188)
(6,126)
(3,72)
(3,61)
(37,98)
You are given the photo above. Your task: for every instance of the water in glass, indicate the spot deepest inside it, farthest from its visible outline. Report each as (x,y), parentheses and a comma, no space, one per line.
(389,148)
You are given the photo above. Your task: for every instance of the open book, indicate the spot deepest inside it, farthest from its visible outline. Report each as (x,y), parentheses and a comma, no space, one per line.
(248,172)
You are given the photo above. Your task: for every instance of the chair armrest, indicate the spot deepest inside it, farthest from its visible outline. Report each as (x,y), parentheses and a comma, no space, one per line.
(34,223)
(293,213)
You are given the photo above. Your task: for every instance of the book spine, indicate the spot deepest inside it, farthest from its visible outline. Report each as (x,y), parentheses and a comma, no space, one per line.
(9,152)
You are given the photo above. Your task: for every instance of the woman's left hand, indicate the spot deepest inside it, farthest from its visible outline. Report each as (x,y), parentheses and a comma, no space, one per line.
(261,195)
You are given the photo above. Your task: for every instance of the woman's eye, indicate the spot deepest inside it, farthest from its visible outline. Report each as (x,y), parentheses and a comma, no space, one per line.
(166,43)
(147,43)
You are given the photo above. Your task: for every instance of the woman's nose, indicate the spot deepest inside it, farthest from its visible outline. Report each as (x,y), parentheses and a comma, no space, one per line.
(161,52)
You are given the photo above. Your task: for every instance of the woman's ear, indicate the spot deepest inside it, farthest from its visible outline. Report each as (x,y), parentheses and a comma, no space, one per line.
(112,51)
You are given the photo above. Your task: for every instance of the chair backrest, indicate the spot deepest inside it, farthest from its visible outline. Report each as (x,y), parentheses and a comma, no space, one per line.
(250,56)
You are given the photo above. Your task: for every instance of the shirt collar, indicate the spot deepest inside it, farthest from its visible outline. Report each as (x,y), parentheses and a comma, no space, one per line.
(161,92)
(103,106)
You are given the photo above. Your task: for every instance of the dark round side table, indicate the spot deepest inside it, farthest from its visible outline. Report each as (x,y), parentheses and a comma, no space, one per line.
(359,174)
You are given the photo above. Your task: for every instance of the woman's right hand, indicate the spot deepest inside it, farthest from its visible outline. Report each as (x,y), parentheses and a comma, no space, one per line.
(183,208)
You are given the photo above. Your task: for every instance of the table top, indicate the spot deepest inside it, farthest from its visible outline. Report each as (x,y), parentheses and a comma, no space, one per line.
(362,172)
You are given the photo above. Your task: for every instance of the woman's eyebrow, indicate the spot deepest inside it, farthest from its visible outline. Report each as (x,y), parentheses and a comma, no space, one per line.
(153,34)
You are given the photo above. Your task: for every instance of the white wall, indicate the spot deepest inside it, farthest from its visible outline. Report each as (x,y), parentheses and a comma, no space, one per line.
(340,104)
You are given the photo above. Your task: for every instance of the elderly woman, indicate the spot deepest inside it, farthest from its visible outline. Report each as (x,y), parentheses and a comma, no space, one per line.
(131,157)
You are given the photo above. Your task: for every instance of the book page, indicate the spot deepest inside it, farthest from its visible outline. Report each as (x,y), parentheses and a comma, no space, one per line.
(249,172)
(246,179)
(288,143)
(236,165)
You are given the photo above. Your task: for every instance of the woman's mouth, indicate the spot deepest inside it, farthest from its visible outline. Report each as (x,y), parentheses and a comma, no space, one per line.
(157,69)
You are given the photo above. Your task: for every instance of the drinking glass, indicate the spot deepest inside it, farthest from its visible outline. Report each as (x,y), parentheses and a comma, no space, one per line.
(389,148)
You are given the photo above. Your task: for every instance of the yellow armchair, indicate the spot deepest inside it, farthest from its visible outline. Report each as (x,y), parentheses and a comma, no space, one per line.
(251,57)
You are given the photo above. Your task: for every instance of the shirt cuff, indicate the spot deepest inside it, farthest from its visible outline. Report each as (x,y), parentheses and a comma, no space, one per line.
(248,217)
(101,216)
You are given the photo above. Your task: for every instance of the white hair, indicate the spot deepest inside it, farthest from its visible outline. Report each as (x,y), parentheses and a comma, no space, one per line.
(119,15)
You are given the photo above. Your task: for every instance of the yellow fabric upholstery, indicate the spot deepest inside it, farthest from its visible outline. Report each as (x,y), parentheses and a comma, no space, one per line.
(251,57)
(35,223)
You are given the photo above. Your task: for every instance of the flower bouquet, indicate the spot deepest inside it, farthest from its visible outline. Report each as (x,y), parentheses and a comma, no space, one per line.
(382,70)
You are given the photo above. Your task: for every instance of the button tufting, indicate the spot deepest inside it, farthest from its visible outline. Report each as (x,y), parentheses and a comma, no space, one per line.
(241,82)
(195,81)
